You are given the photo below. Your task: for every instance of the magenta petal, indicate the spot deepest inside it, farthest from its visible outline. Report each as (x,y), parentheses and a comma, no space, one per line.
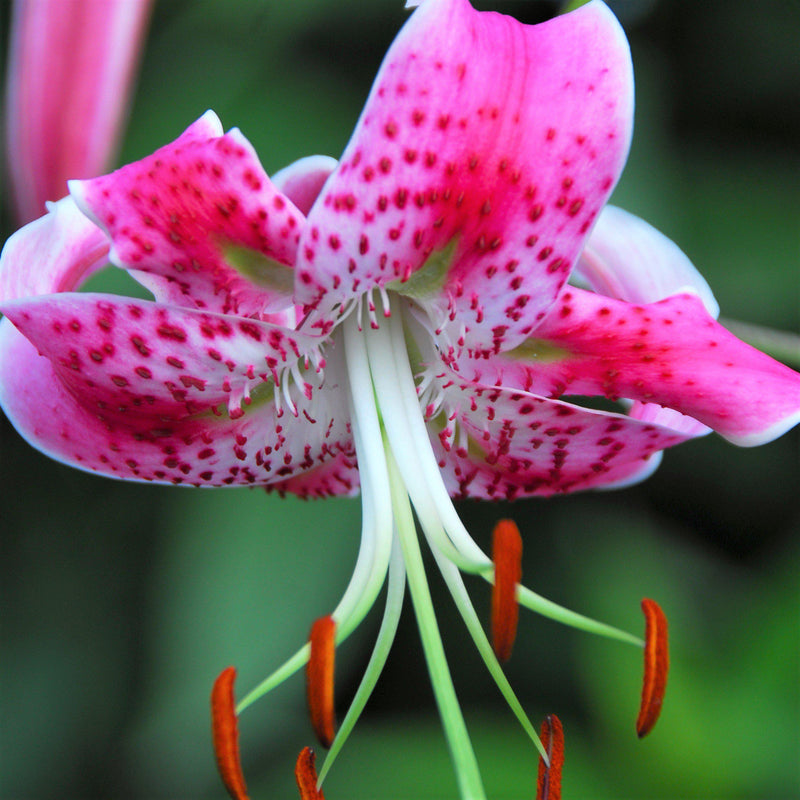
(137,390)
(667,418)
(336,476)
(186,214)
(520,445)
(70,71)
(671,353)
(65,247)
(499,139)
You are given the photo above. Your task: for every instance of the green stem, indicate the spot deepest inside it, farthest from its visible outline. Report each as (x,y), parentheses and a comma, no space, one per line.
(466,765)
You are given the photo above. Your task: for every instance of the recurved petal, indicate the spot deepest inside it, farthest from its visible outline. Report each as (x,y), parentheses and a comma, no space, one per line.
(302,180)
(65,247)
(484,153)
(629,259)
(136,390)
(505,444)
(671,353)
(201,215)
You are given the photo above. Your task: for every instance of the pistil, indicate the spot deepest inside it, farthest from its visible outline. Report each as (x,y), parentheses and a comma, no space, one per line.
(455,728)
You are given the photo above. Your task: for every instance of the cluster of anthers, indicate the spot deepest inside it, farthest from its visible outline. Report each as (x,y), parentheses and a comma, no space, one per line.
(506,588)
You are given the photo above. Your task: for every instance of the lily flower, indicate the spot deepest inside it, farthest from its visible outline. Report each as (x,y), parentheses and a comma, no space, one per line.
(70,71)
(432,317)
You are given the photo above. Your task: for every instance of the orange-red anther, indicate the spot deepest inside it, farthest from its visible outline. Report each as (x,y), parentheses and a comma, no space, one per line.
(225,730)
(306,776)
(548,786)
(656,666)
(507,558)
(319,674)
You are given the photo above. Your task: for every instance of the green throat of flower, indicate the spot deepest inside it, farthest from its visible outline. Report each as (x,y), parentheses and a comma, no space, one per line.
(400,479)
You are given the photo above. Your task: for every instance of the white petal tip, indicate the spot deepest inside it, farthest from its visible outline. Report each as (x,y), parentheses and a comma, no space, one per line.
(647,469)
(212,121)
(767,435)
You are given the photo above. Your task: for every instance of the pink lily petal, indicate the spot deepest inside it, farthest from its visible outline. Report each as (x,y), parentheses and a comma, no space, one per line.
(71,69)
(668,418)
(303,180)
(200,215)
(629,259)
(506,444)
(337,476)
(137,390)
(65,247)
(672,353)
(490,168)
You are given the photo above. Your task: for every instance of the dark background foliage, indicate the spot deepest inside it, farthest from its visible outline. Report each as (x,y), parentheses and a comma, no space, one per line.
(120,603)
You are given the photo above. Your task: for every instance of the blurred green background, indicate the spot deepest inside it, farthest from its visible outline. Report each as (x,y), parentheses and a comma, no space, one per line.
(121,603)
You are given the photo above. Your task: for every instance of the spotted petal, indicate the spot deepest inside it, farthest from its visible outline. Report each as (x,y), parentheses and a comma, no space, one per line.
(202,221)
(65,247)
(471,182)
(629,259)
(142,391)
(505,444)
(671,353)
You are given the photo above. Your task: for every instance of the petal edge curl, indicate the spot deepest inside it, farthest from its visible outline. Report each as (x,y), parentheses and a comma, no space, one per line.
(174,214)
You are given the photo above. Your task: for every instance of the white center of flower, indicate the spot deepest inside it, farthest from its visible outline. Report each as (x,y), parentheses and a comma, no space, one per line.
(386,415)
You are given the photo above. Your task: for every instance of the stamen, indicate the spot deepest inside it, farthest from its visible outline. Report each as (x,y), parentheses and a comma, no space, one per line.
(225,731)
(656,666)
(306,776)
(548,786)
(458,591)
(383,644)
(319,673)
(507,558)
